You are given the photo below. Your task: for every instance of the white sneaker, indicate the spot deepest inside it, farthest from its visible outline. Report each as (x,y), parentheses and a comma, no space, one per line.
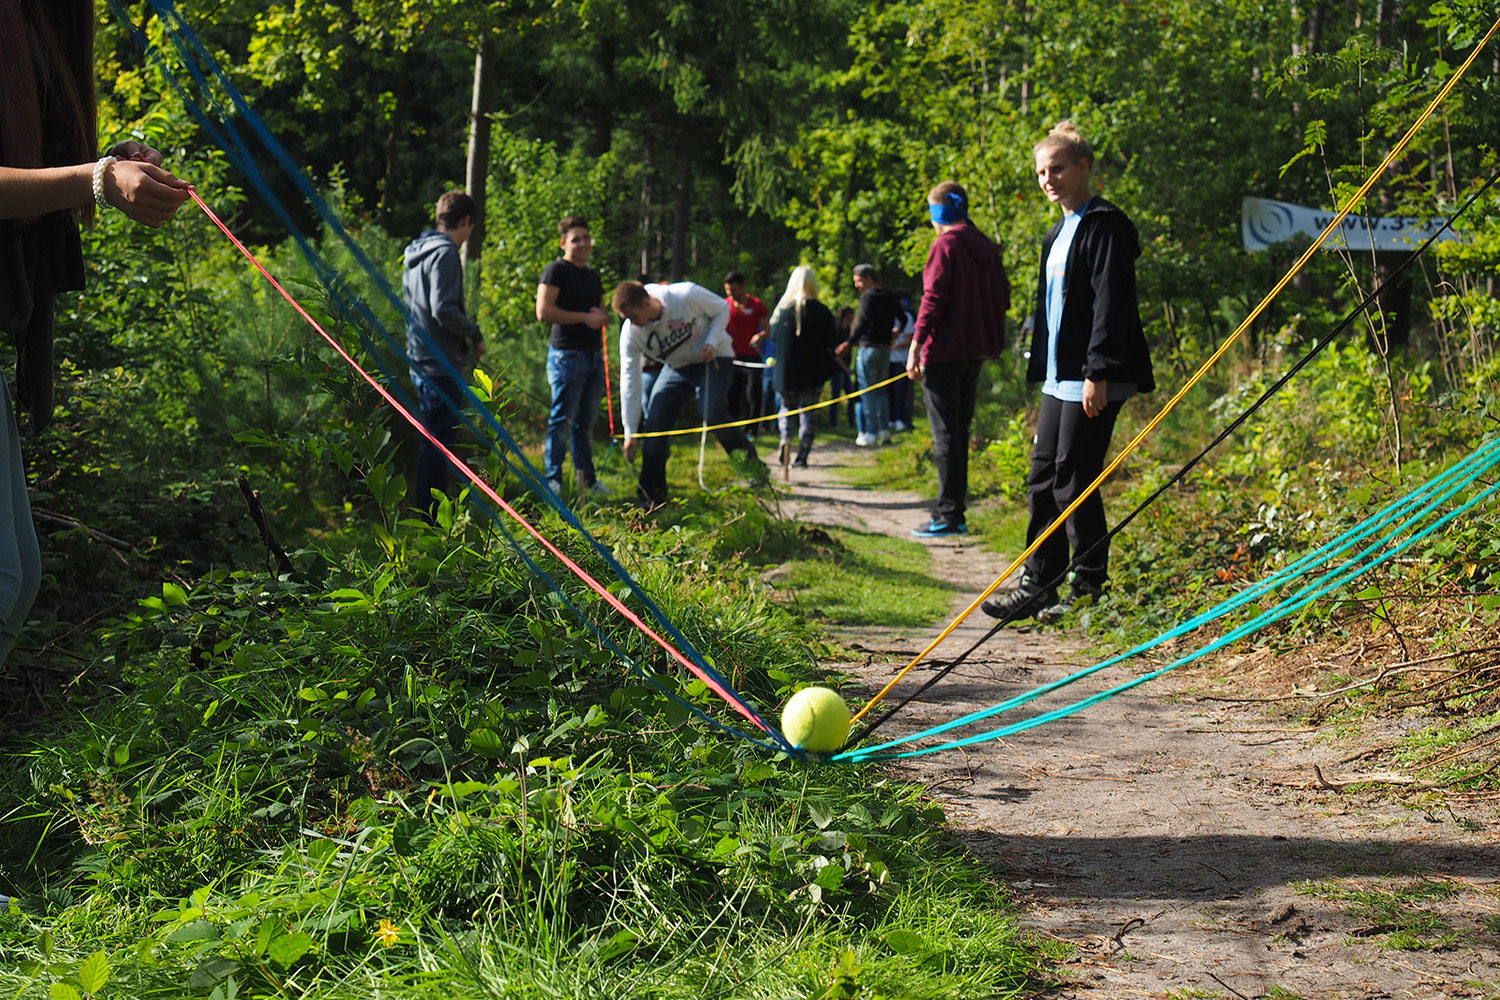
(864,440)
(555,485)
(900,425)
(597,490)
(885,437)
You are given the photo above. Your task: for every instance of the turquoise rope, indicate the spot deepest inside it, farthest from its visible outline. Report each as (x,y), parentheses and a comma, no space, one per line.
(1483,457)
(1464,472)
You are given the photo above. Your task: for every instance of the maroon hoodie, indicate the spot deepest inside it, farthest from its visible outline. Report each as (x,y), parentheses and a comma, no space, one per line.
(964,298)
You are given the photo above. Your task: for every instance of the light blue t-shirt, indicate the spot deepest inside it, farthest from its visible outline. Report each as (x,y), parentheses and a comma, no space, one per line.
(1068,390)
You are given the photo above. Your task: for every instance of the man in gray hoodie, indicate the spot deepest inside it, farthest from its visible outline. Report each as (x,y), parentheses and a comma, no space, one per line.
(442,342)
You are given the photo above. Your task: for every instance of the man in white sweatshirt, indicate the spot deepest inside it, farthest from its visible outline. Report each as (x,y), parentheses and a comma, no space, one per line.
(684,327)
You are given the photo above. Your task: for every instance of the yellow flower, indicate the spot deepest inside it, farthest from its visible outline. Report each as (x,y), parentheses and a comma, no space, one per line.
(387,933)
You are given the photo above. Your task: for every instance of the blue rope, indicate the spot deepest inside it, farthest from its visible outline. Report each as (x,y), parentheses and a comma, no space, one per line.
(1483,459)
(185,39)
(1293,571)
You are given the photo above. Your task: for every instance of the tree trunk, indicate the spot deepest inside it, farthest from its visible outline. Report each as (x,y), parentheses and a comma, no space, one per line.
(682,210)
(388,185)
(476,174)
(646,209)
(604,119)
(1394,302)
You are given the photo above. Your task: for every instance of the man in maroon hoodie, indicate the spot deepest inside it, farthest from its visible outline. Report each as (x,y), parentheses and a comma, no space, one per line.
(961,322)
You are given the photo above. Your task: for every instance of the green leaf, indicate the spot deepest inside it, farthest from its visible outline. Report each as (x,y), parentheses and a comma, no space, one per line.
(411,835)
(198,930)
(174,595)
(94,972)
(289,947)
(486,743)
(905,942)
(62,991)
(212,971)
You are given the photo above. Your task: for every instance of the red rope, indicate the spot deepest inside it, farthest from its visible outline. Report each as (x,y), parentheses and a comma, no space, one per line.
(480,484)
(609,397)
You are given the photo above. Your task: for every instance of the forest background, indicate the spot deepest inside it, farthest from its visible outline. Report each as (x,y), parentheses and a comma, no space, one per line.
(209,748)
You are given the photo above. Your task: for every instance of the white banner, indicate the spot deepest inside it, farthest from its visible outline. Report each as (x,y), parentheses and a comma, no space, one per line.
(1264,223)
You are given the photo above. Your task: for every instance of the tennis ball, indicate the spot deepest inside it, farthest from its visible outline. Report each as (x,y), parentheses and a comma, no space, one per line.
(816,719)
(771,362)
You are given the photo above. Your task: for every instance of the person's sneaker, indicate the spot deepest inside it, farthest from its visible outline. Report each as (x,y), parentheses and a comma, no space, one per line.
(800,462)
(555,485)
(1023,602)
(597,490)
(885,437)
(1079,596)
(864,440)
(933,528)
(900,425)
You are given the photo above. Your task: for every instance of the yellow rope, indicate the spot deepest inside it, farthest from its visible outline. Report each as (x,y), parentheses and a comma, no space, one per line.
(1109,470)
(757,420)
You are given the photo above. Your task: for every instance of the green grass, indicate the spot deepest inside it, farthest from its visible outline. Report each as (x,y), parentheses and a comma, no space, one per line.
(1396,909)
(861,578)
(407,770)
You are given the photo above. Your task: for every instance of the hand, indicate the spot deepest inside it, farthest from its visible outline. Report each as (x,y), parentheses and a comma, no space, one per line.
(913,366)
(132,150)
(759,338)
(708,353)
(596,318)
(842,349)
(144,191)
(629,447)
(1095,396)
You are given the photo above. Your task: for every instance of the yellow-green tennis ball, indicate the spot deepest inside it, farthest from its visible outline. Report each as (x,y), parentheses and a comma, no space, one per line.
(816,719)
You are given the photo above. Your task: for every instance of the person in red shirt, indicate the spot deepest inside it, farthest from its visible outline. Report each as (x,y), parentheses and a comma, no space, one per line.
(748,326)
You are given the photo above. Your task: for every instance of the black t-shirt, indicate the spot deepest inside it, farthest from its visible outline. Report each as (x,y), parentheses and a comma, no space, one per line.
(878,311)
(579,290)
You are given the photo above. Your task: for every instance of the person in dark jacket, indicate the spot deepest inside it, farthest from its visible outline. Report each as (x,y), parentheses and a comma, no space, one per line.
(960,323)
(442,342)
(873,331)
(1089,352)
(804,333)
(50,179)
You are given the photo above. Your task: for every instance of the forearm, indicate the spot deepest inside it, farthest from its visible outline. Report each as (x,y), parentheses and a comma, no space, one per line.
(561,316)
(25,193)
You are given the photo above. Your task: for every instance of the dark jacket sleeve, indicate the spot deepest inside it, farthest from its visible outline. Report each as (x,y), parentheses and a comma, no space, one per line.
(937,288)
(1111,267)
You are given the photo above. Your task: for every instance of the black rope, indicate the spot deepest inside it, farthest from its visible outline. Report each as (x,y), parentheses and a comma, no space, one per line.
(945,669)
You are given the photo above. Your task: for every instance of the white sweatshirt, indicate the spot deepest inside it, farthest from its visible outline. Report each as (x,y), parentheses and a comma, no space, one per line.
(691,316)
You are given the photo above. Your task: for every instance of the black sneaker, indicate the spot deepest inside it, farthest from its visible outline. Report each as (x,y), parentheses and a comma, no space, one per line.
(1080,596)
(933,528)
(1019,604)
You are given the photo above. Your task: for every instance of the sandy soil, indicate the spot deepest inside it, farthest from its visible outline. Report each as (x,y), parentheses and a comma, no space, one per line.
(1165,836)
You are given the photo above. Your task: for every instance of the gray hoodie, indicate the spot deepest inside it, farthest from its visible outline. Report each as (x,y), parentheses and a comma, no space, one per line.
(433,286)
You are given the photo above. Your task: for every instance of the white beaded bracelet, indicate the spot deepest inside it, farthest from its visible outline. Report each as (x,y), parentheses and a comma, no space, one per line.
(105,162)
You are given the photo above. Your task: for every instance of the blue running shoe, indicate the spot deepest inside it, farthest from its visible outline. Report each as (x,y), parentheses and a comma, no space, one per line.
(935,528)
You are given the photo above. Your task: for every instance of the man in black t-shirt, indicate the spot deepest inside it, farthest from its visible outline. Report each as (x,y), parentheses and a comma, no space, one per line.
(571,297)
(873,330)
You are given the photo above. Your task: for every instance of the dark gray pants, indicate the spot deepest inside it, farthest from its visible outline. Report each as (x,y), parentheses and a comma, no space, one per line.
(950,390)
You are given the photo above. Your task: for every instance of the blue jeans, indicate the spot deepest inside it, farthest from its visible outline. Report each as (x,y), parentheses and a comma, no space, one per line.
(710,381)
(577,380)
(441,420)
(20,557)
(873,414)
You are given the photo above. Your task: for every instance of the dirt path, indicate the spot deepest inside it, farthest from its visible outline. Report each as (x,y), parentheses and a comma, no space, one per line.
(1164,836)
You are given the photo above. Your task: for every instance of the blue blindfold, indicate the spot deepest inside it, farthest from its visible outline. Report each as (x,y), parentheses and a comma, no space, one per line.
(950,210)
